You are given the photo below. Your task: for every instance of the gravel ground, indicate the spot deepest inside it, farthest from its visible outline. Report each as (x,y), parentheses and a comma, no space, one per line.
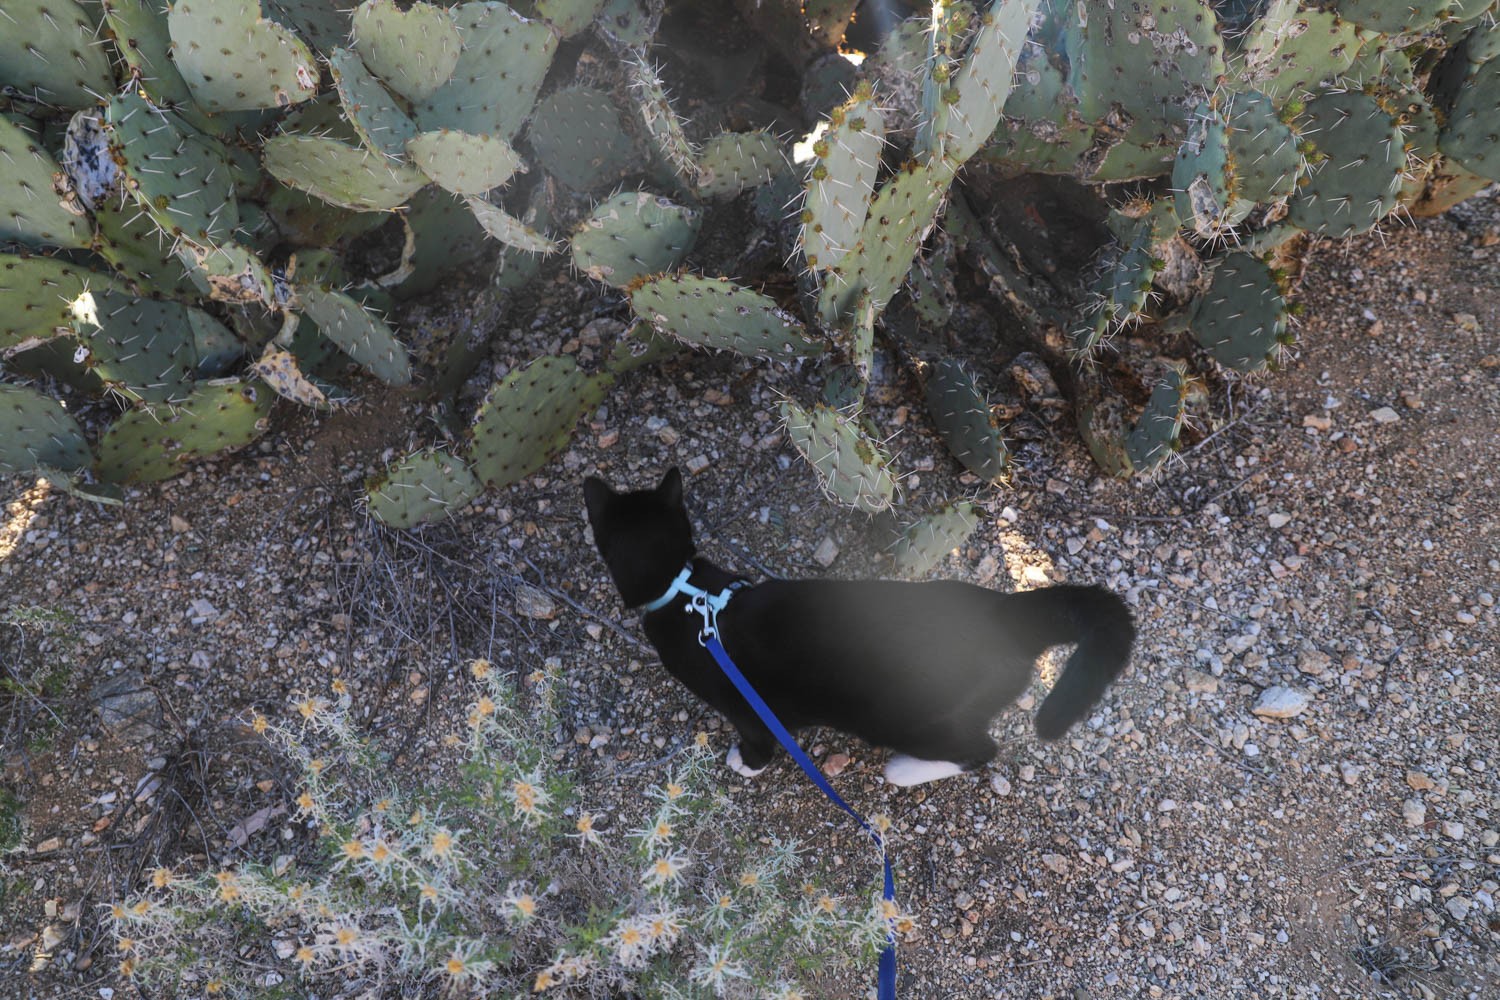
(1292,793)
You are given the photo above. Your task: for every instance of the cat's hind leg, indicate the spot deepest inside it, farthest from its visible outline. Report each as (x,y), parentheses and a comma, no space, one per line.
(907,771)
(737,764)
(941,758)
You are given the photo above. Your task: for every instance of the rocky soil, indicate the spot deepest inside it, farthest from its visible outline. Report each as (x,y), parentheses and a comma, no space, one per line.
(1294,792)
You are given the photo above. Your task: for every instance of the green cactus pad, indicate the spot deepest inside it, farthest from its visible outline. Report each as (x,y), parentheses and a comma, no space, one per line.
(477,98)
(357,333)
(36,431)
(325,26)
(375,114)
(983,82)
(630,23)
(30,210)
(231,273)
(962,417)
(235,60)
(638,347)
(900,216)
(180,177)
(508,229)
(1472,134)
(1124,287)
(852,469)
(1394,18)
(731,162)
(632,235)
(422,487)
(1263,149)
(155,443)
(928,541)
(1153,439)
(142,348)
(43,298)
(49,53)
(527,418)
(661,121)
(578,139)
(715,312)
(1242,316)
(1291,51)
(445,236)
(1358,181)
(145,44)
(414,51)
(569,17)
(1202,177)
(1157,62)
(840,182)
(462,163)
(341,174)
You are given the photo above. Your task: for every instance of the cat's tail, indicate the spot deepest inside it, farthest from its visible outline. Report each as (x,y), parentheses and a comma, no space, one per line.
(1100,623)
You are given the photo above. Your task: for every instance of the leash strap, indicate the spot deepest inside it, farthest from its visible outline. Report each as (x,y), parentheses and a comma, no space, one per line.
(886,983)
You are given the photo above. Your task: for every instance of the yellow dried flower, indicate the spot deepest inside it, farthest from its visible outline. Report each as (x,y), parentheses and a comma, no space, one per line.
(346,935)
(305,955)
(485,705)
(479,669)
(442,843)
(127,944)
(305,802)
(352,849)
(525,905)
(127,968)
(214,986)
(749,880)
(674,790)
(339,687)
(161,878)
(544,981)
(259,723)
(456,965)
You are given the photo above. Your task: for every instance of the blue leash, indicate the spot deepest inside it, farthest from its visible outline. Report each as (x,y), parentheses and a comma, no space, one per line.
(886,983)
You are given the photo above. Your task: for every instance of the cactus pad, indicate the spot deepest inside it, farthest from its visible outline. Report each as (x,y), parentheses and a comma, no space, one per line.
(1124,287)
(340,174)
(578,139)
(462,163)
(369,107)
(235,60)
(43,298)
(507,228)
(632,235)
(1153,439)
(478,98)
(715,312)
(1242,317)
(928,541)
(30,210)
(36,431)
(1470,135)
(1362,154)
(141,348)
(661,121)
(1155,61)
(963,419)
(731,162)
(362,336)
(841,181)
(152,444)
(1291,51)
(279,370)
(569,17)
(414,51)
(180,177)
(528,418)
(422,487)
(852,469)
(983,82)
(49,53)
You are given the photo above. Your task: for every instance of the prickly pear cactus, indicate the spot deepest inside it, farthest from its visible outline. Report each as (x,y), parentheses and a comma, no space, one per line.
(357,332)
(1242,318)
(414,50)
(732,162)
(30,210)
(527,418)
(578,139)
(1154,437)
(154,443)
(339,173)
(928,541)
(714,312)
(235,60)
(632,235)
(44,297)
(463,163)
(851,468)
(962,417)
(49,54)
(841,181)
(36,432)
(421,487)
(1355,177)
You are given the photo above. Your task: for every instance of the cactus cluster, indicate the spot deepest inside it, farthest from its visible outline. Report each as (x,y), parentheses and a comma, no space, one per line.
(183,186)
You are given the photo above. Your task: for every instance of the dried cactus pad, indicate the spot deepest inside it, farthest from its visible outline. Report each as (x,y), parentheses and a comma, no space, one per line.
(235,60)
(36,431)
(715,312)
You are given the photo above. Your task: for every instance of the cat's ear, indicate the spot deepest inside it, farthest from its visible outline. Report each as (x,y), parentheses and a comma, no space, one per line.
(596,495)
(670,488)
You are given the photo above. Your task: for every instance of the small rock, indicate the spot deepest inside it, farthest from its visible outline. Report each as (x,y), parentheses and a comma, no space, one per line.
(1314,662)
(534,603)
(1317,422)
(1453,831)
(826,552)
(1026,772)
(201,611)
(1414,812)
(1419,781)
(1000,784)
(180,526)
(1279,520)
(1201,683)
(49,845)
(1350,772)
(1281,702)
(127,706)
(697,464)
(1458,908)
(1385,415)
(835,764)
(1056,863)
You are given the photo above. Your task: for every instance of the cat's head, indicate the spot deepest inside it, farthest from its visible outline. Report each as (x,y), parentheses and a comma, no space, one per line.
(644,536)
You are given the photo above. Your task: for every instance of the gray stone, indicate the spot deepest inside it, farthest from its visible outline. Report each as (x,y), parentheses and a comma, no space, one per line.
(1281,702)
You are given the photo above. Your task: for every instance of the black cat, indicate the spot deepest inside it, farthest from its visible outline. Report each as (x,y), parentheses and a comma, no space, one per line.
(921,668)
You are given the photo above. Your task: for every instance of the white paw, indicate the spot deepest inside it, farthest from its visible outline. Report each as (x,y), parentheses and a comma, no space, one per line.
(737,764)
(906,771)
